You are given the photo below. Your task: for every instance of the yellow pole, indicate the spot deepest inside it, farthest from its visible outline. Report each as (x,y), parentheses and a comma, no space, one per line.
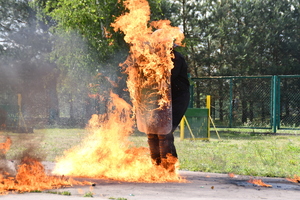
(182,129)
(208,119)
(214,127)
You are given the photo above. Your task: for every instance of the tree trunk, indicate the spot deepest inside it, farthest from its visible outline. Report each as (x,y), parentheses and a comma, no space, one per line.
(263,110)
(53,111)
(251,114)
(221,109)
(72,114)
(244,111)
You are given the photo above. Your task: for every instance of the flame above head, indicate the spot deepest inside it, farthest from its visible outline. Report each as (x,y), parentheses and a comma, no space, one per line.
(149,65)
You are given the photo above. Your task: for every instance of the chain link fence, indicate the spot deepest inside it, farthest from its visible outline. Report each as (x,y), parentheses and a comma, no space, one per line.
(9,116)
(289,93)
(258,101)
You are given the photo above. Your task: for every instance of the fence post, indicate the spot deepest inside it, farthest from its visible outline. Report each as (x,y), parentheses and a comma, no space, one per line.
(208,119)
(278,106)
(191,89)
(275,104)
(230,101)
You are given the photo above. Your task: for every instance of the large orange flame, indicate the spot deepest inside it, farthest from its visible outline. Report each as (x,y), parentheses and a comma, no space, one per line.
(149,65)
(4,147)
(31,176)
(107,152)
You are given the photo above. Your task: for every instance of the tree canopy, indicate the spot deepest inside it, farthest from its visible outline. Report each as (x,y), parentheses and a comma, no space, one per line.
(237,37)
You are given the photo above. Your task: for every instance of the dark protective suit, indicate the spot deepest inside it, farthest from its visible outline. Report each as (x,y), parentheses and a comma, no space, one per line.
(161,145)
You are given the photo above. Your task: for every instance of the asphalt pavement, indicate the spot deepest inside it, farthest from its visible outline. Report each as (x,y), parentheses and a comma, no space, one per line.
(199,185)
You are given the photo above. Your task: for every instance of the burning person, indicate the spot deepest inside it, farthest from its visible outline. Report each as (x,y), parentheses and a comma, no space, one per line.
(162,145)
(159,85)
(157,77)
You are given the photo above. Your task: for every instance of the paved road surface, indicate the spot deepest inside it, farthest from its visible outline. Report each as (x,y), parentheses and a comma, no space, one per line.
(200,186)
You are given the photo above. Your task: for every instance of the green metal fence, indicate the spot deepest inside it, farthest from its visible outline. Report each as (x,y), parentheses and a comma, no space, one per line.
(9,116)
(271,102)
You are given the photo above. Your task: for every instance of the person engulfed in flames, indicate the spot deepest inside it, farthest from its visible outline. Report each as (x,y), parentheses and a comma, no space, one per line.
(162,148)
(157,78)
(162,95)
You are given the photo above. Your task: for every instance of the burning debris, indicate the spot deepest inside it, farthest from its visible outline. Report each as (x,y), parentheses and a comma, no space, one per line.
(28,175)
(31,176)
(6,166)
(259,182)
(4,147)
(296,179)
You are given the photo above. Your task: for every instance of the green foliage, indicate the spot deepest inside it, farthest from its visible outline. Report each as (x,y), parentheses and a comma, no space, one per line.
(13,16)
(241,37)
(222,37)
(90,19)
(66,193)
(88,194)
(119,198)
(36,191)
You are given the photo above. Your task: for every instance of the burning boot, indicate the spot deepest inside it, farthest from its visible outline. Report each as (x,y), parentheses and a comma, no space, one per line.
(169,163)
(168,152)
(153,142)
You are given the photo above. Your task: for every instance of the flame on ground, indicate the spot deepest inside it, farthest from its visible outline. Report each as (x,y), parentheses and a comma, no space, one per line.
(29,176)
(107,153)
(259,182)
(4,147)
(296,179)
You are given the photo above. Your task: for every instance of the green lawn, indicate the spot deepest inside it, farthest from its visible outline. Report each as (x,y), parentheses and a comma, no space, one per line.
(274,156)
(238,153)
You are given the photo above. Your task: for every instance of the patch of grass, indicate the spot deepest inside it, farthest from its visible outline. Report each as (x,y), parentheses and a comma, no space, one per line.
(274,156)
(88,194)
(237,152)
(36,191)
(120,198)
(50,143)
(67,193)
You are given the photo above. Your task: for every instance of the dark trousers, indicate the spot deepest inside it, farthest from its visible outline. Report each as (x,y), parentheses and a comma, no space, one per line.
(162,145)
